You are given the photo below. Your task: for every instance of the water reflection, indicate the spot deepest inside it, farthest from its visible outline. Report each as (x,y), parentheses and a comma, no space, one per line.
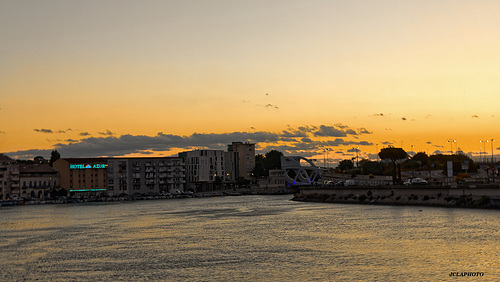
(245,238)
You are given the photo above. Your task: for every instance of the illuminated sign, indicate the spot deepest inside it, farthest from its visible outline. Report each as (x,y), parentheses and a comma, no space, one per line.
(84,166)
(87,190)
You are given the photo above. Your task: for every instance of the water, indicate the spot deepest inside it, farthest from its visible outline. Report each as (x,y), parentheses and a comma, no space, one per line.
(264,238)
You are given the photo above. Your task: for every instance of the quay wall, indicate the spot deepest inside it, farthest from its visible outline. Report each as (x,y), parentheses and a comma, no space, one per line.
(484,196)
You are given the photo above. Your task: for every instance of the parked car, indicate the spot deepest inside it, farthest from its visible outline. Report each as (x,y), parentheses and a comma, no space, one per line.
(415,181)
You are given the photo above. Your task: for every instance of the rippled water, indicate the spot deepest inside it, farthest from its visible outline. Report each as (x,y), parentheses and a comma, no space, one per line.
(265,238)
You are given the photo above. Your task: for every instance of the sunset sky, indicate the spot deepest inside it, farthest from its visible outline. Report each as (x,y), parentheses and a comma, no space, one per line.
(152,78)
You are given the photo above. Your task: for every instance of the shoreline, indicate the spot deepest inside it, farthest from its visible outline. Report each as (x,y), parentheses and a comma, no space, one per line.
(435,196)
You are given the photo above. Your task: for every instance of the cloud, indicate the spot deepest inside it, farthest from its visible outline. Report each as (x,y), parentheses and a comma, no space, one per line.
(332,131)
(364,131)
(403,118)
(271,106)
(3,132)
(475,116)
(106,133)
(294,141)
(43,130)
(377,115)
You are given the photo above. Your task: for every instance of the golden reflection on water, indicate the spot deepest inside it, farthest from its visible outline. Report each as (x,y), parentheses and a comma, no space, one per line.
(246,238)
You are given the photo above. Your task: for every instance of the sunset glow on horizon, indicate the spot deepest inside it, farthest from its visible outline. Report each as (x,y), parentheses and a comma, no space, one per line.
(135,78)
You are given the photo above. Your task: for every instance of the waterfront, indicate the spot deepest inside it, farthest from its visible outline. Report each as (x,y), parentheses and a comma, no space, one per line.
(266,238)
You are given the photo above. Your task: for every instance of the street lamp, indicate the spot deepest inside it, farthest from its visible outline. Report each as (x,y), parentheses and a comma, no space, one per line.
(484,157)
(451,144)
(492,161)
(357,161)
(326,157)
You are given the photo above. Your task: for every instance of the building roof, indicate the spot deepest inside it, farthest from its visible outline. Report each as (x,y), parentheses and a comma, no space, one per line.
(4,158)
(36,168)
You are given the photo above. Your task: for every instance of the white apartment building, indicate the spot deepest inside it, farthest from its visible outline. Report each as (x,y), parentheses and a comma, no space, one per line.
(205,169)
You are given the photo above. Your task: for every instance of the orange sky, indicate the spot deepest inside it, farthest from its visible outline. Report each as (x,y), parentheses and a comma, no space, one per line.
(81,74)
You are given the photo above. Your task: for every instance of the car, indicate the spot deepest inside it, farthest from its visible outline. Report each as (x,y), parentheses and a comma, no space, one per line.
(415,181)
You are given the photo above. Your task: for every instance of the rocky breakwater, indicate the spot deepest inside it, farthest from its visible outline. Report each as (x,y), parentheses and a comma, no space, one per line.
(485,196)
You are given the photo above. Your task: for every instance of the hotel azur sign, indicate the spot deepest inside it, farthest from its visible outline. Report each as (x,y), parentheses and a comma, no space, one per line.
(85,166)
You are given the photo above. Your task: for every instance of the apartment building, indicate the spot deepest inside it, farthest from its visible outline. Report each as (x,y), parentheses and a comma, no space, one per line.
(37,180)
(158,175)
(205,169)
(9,176)
(246,158)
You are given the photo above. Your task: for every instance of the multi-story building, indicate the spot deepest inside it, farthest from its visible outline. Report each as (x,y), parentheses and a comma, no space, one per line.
(128,176)
(246,158)
(122,176)
(6,178)
(205,169)
(37,180)
(83,176)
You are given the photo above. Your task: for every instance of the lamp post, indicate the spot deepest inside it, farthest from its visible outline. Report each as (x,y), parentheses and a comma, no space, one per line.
(484,157)
(326,157)
(492,162)
(451,144)
(357,160)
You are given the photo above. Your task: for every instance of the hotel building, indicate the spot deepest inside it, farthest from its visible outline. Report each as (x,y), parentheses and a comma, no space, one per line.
(121,176)
(83,176)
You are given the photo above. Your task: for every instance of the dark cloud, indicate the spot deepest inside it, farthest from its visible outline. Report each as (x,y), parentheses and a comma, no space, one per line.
(294,141)
(332,131)
(475,116)
(3,132)
(43,130)
(364,131)
(378,115)
(106,133)
(403,118)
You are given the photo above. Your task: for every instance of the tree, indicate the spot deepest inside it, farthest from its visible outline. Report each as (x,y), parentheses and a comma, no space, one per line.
(371,167)
(393,155)
(345,165)
(273,160)
(421,158)
(260,163)
(54,156)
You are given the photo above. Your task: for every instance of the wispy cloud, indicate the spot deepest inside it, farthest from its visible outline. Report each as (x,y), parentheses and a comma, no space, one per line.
(43,130)
(106,133)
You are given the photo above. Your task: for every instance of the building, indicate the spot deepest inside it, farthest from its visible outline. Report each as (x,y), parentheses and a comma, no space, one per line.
(205,169)
(121,176)
(83,176)
(246,159)
(159,175)
(37,180)
(9,176)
